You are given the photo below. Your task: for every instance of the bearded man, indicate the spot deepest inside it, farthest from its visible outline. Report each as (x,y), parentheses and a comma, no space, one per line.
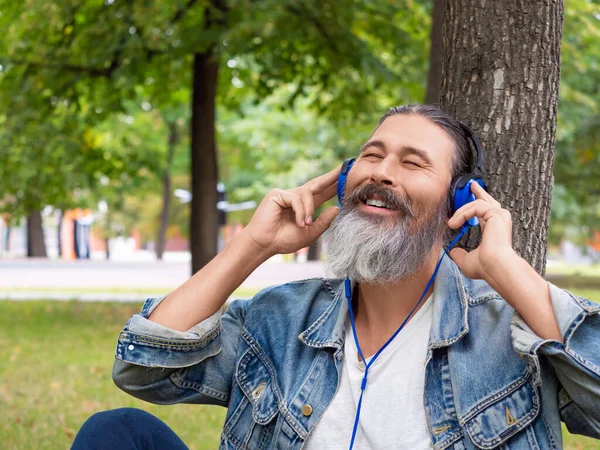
(490,356)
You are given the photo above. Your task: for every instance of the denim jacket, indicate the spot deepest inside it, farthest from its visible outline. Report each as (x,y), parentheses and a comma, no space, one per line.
(275,361)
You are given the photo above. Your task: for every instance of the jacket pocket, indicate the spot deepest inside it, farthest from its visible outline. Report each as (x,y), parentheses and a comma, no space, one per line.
(257,384)
(504,414)
(251,424)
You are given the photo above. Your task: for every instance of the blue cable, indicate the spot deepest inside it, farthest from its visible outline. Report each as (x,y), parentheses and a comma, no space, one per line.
(348,289)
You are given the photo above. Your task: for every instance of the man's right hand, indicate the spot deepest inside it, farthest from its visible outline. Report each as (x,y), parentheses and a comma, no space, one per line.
(283,222)
(280,224)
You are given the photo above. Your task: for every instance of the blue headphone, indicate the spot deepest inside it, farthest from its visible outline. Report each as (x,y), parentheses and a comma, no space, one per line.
(461,186)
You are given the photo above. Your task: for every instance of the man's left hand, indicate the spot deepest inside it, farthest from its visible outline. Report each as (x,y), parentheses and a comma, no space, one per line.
(496,240)
(498,264)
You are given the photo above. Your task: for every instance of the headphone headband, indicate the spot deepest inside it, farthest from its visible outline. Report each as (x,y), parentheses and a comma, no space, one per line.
(477,171)
(461,187)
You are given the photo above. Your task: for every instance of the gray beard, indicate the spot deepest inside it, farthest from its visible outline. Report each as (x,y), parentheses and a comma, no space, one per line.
(380,250)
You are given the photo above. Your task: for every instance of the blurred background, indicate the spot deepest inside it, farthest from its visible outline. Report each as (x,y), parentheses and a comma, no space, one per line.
(122,123)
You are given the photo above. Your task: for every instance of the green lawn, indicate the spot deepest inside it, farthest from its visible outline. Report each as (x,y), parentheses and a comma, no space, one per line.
(55,371)
(562,268)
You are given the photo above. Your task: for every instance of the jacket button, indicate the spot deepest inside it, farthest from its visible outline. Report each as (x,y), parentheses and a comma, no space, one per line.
(307,410)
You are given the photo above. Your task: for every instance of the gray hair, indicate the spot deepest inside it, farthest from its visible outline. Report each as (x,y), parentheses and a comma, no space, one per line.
(377,250)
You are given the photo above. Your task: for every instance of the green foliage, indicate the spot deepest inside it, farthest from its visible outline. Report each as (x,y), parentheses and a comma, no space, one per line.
(135,201)
(302,100)
(266,147)
(576,198)
(69,84)
(341,55)
(301,84)
(67,76)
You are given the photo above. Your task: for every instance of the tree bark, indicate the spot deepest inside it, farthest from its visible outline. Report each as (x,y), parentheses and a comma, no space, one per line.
(166,203)
(436,53)
(500,76)
(36,244)
(204,220)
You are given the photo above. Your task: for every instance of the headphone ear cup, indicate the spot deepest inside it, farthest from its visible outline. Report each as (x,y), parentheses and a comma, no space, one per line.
(341,185)
(462,194)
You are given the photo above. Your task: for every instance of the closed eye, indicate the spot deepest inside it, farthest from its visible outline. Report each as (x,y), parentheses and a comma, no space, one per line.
(372,155)
(412,163)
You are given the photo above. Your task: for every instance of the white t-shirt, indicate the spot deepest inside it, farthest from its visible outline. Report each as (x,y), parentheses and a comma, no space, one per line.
(392,413)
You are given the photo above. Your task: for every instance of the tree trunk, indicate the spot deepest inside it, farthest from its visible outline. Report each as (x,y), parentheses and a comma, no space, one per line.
(500,76)
(108,236)
(7,239)
(436,53)
(59,232)
(36,245)
(203,226)
(106,242)
(166,203)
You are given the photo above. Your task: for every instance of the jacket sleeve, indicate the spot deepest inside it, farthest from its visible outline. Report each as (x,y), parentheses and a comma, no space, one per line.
(576,362)
(164,366)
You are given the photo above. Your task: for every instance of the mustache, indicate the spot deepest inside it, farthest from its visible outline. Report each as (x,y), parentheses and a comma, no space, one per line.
(387,195)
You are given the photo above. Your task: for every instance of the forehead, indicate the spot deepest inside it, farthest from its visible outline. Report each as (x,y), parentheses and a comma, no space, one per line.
(411,130)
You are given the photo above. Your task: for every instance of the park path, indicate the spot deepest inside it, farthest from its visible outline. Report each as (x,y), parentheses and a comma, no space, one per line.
(26,279)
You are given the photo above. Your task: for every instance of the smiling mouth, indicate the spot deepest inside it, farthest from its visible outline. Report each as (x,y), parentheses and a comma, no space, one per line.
(377,204)
(378,200)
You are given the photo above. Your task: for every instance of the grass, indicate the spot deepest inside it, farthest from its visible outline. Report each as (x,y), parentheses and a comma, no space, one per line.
(562,268)
(590,294)
(55,371)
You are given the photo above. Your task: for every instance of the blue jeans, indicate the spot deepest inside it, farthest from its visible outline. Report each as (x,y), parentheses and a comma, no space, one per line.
(126,429)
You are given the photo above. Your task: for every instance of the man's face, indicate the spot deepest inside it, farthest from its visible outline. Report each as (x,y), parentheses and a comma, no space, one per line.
(395,206)
(409,156)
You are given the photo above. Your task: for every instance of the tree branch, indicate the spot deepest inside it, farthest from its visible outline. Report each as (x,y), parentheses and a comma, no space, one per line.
(180,14)
(320,28)
(114,63)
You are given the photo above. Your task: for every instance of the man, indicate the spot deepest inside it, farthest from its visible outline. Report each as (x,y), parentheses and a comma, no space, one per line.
(466,372)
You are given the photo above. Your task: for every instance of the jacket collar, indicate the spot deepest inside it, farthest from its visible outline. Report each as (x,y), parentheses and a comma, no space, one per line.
(329,329)
(449,323)
(450,306)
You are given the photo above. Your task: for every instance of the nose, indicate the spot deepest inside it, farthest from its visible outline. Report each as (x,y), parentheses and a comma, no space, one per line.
(382,173)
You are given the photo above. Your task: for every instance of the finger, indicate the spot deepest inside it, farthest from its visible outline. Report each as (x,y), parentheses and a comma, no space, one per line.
(468,211)
(309,208)
(323,222)
(288,199)
(298,207)
(322,182)
(482,194)
(459,256)
(480,209)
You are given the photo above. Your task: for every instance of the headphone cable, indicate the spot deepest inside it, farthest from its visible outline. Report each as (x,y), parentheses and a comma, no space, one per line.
(348,292)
